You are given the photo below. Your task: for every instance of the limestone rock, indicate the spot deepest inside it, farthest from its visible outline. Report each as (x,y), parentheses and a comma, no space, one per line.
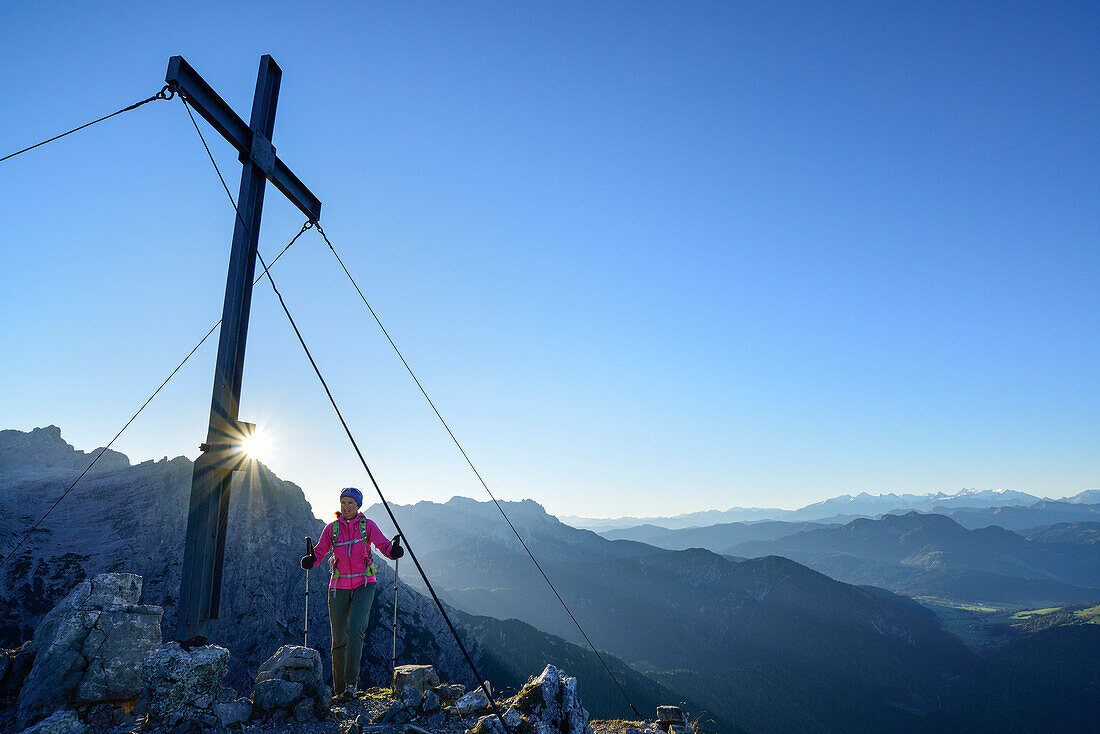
(292,680)
(407,706)
(64,721)
(488,724)
(512,717)
(275,693)
(233,713)
(421,677)
(106,716)
(90,647)
(288,658)
(106,590)
(450,691)
(430,702)
(411,697)
(303,710)
(669,715)
(472,702)
(173,677)
(552,700)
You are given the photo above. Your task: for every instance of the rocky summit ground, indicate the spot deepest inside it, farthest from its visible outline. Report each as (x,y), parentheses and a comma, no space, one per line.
(358,715)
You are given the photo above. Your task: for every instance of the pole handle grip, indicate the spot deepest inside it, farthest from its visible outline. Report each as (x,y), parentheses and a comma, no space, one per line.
(309,546)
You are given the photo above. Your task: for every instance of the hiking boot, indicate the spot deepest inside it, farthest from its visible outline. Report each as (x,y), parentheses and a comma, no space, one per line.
(348,694)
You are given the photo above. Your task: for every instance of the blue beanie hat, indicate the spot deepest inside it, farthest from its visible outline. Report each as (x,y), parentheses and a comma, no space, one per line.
(354,493)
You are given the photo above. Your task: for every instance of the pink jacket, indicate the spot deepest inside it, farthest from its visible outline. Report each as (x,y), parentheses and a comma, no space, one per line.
(352,552)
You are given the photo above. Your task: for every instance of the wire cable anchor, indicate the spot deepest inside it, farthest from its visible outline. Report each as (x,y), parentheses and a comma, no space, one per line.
(165,93)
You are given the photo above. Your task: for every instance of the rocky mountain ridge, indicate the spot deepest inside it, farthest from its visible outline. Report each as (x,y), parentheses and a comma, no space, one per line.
(131,518)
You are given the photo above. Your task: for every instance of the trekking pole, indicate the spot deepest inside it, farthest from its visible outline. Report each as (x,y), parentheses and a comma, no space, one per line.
(305,622)
(395,564)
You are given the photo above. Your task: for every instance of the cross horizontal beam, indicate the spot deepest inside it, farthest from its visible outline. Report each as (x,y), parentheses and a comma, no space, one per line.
(251,144)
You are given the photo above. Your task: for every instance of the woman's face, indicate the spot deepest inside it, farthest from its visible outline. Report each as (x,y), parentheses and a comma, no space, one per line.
(348,508)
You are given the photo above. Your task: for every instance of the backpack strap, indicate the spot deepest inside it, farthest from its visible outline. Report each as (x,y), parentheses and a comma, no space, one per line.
(372,569)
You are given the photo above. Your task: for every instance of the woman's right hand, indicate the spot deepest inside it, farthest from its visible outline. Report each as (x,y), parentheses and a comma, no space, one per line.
(308,562)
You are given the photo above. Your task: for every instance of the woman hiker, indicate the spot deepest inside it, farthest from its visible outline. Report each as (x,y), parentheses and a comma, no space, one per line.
(351,590)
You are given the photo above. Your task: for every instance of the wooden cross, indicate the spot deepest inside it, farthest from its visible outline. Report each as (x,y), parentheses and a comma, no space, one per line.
(204,549)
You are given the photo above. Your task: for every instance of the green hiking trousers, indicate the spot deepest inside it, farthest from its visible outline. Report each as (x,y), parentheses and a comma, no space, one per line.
(348,615)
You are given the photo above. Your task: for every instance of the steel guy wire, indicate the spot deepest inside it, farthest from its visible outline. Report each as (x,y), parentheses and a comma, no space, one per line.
(477,473)
(347,430)
(164,93)
(139,410)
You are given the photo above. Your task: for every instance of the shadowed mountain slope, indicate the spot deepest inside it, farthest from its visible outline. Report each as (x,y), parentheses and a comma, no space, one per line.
(1046,682)
(934,555)
(783,633)
(1075,533)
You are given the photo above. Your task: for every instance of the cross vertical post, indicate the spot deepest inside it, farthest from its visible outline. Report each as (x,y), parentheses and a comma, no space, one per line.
(208,513)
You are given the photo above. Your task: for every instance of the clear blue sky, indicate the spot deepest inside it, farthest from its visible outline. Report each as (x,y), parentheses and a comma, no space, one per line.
(649,258)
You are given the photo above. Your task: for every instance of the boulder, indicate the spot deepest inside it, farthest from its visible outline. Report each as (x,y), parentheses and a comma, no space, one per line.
(551,699)
(290,658)
(450,691)
(303,710)
(63,721)
(669,715)
(411,697)
(288,678)
(106,716)
(402,709)
(420,677)
(172,678)
(671,719)
(512,717)
(431,702)
(488,724)
(472,702)
(104,590)
(233,713)
(274,694)
(90,647)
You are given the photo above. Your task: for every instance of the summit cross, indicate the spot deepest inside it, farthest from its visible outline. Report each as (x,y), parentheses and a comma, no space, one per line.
(208,513)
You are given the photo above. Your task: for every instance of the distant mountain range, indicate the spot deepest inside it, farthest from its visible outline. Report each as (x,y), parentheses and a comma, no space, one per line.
(836,509)
(932,555)
(1018,517)
(718,538)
